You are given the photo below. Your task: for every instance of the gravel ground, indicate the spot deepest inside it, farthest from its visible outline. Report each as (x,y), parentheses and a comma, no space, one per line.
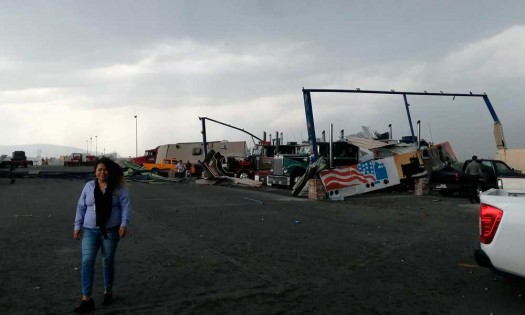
(195,249)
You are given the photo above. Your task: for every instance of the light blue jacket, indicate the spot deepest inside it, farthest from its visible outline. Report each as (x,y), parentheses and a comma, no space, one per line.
(86,216)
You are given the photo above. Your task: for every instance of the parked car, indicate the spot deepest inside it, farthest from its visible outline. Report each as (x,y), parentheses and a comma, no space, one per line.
(453,179)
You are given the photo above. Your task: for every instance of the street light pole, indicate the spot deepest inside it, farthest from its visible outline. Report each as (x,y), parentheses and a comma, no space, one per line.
(96,146)
(136,138)
(91,143)
(87,147)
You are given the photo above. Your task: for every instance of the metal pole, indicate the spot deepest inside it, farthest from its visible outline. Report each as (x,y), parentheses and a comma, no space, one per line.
(136,137)
(331,152)
(498,129)
(310,124)
(96,146)
(204,141)
(87,147)
(409,118)
(240,129)
(391,92)
(91,143)
(418,134)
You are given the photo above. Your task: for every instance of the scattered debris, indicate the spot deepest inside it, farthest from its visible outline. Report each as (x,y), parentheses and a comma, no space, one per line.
(258,201)
(226,180)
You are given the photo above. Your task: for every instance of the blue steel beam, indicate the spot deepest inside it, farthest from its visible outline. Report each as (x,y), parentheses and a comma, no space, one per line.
(312,140)
(491,109)
(392,92)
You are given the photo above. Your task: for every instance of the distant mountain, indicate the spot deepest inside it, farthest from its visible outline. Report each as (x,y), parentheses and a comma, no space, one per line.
(43,150)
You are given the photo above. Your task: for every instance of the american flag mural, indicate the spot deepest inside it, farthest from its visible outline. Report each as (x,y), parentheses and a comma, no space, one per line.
(368,176)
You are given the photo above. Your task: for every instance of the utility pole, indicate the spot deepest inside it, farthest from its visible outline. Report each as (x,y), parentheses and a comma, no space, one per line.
(136,137)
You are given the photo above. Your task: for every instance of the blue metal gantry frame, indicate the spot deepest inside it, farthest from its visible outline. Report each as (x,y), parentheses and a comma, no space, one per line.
(312,140)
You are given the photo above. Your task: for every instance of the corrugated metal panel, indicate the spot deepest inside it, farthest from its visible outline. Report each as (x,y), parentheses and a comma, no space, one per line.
(402,148)
(370,144)
(366,143)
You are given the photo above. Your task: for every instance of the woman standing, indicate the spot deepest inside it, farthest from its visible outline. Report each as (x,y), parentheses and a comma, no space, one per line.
(102,217)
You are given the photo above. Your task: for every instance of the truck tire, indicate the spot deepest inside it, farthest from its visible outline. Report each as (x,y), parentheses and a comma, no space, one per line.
(295,177)
(242,174)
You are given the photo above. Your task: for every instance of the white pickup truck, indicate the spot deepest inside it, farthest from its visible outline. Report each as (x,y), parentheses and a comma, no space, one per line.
(502,231)
(511,183)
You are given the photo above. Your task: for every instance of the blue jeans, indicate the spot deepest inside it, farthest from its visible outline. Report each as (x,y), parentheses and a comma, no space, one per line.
(92,241)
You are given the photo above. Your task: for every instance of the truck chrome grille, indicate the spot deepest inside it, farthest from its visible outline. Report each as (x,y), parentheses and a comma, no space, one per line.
(278,166)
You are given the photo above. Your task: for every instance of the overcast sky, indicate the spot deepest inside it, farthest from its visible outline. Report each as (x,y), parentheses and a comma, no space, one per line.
(73,70)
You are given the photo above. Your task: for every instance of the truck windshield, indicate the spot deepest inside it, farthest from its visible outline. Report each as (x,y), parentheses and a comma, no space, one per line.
(502,168)
(304,150)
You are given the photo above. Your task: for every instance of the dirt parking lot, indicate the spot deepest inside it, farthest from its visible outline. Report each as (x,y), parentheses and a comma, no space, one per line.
(226,250)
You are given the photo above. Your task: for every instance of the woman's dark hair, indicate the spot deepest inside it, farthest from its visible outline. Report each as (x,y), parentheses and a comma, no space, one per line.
(115,173)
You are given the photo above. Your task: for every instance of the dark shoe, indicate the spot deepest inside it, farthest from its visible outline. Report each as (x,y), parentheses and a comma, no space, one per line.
(85,307)
(108,298)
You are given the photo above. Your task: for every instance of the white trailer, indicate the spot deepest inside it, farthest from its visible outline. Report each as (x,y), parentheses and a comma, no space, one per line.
(194,151)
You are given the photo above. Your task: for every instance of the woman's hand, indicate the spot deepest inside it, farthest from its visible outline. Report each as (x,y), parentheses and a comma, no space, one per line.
(76,234)
(122,231)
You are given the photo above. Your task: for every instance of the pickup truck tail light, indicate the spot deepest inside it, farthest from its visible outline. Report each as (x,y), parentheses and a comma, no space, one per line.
(489,217)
